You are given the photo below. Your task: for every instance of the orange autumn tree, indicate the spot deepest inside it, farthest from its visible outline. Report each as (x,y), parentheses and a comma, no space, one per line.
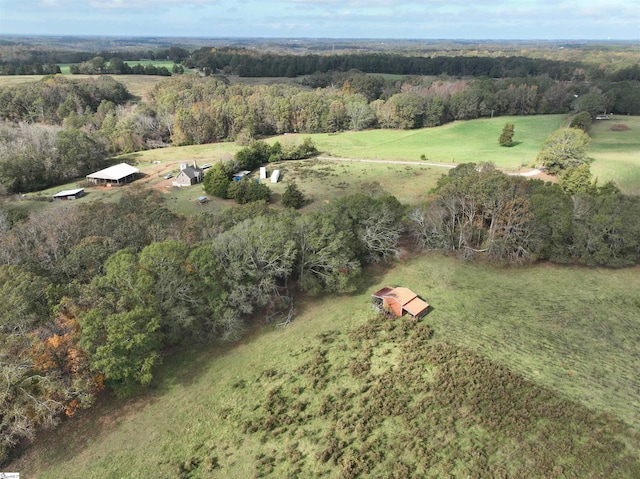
(56,354)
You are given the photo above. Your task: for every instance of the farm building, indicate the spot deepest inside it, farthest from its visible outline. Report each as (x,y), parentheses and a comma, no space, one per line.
(114,175)
(240,174)
(69,194)
(398,301)
(189,175)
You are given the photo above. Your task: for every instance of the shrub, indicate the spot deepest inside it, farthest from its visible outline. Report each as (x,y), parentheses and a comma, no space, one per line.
(293,197)
(582,120)
(620,127)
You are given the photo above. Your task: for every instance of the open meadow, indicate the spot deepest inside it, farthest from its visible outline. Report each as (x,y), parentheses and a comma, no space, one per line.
(453,143)
(340,393)
(616,154)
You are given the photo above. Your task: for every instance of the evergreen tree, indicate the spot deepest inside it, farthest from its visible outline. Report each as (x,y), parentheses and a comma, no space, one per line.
(293,197)
(506,137)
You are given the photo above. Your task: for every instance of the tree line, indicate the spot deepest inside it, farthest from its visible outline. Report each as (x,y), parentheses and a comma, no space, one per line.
(255,64)
(38,61)
(116,66)
(477,210)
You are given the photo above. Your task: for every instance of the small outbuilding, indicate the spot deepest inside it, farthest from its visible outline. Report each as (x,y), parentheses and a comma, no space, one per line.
(275,176)
(240,174)
(114,175)
(398,301)
(69,194)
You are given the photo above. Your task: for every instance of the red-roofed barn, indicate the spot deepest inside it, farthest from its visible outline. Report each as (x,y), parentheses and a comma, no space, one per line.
(399,301)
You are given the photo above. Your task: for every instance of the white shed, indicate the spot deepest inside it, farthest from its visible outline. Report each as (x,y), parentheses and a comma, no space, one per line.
(263,173)
(275,176)
(69,194)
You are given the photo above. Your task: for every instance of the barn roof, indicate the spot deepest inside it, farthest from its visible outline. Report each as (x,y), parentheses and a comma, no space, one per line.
(64,193)
(401,295)
(415,307)
(114,173)
(407,299)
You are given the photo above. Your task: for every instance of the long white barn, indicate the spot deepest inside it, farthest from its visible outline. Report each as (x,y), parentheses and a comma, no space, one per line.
(114,175)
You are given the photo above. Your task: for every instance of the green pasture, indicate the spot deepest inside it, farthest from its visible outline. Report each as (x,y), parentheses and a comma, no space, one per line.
(65,67)
(570,330)
(616,154)
(168,64)
(457,142)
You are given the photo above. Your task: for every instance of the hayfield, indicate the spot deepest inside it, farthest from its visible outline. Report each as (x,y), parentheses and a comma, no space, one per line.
(453,143)
(341,393)
(616,154)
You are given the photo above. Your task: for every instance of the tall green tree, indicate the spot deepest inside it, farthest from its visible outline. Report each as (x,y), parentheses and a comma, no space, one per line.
(123,346)
(326,259)
(292,196)
(506,137)
(564,148)
(217,179)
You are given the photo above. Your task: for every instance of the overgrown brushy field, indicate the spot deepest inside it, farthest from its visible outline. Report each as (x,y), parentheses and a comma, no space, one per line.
(524,372)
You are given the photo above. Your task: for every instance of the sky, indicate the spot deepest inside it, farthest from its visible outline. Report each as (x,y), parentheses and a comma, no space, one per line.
(398,19)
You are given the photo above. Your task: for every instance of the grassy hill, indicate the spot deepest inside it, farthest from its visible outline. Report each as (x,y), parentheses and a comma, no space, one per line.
(523,372)
(457,142)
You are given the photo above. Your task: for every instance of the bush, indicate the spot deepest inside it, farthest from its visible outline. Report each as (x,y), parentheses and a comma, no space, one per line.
(506,137)
(582,120)
(248,191)
(620,127)
(293,197)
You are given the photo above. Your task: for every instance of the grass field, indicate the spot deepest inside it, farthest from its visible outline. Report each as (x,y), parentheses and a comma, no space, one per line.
(616,154)
(299,402)
(458,142)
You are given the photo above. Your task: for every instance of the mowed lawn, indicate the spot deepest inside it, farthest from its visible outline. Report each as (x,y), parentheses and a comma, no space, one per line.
(574,330)
(454,143)
(616,154)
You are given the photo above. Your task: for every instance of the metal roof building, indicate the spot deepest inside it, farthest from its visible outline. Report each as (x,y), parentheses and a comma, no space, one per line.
(114,175)
(69,194)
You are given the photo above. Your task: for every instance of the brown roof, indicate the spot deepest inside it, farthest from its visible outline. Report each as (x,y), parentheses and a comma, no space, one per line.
(407,299)
(415,307)
(401,295)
